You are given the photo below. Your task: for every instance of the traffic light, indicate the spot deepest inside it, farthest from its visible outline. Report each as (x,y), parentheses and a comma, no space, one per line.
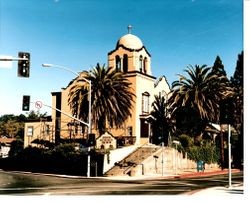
(26,103)
(91,139)
(23,65)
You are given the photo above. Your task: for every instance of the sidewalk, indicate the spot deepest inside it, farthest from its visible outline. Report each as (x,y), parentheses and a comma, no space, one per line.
(234,189)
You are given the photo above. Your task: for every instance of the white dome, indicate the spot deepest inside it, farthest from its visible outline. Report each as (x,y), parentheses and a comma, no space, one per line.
(130,41)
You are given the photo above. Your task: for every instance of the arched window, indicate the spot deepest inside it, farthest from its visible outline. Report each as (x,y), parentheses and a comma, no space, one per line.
(145,102)
(125,63)
(118,63)
(145,62)
(141,63)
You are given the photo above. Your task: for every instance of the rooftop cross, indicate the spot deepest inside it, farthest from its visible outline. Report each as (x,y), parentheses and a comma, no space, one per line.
(129,29)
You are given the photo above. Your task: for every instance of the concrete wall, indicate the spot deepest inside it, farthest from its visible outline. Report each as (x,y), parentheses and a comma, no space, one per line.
(166,161)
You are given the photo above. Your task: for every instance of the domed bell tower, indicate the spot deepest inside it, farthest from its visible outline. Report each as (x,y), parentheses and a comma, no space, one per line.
(131,57)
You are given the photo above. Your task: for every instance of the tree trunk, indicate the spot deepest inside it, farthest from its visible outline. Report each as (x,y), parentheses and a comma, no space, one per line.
(101,125)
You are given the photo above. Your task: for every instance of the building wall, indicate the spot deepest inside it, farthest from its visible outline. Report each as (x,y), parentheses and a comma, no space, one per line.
(106,141)
(162,86)
(41,130)
(143,84)
(68,126)
(65,119)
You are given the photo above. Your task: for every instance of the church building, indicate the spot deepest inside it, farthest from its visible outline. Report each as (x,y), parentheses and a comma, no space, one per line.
(131,57)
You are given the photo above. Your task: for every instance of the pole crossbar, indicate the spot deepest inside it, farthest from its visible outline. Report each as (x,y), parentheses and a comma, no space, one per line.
(14,59)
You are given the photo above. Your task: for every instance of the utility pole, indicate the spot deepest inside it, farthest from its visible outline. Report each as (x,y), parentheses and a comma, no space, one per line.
(229,157)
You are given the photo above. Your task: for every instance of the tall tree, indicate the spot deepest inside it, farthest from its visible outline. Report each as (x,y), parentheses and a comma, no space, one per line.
(218,67)
(238,101)
(237,83)
(111,94)
(12,126)
(225,103)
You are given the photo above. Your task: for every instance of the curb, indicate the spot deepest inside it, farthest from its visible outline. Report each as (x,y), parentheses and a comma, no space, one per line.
(203,174)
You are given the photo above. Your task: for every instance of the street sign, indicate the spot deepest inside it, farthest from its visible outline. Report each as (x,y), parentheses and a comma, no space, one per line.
(38,104)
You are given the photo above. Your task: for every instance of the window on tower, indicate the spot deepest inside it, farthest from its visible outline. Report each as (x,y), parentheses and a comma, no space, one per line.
(141,63)
(125,63)
(118,63)
(145,65)
(145,102)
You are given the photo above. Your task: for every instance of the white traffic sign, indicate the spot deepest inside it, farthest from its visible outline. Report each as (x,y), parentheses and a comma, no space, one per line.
(38,104)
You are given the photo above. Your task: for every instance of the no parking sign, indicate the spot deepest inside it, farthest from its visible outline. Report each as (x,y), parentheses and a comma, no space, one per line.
(38,104)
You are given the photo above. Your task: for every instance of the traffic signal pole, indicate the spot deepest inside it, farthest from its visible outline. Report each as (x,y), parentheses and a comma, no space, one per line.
(48,65)
(87,124)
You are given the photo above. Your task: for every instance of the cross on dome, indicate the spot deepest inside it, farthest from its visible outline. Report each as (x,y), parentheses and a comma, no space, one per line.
(129,29)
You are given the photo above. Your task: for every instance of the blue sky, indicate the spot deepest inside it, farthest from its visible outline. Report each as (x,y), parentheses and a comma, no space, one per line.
(79,33)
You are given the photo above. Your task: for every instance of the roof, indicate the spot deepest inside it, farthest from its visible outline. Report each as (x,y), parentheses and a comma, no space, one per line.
(130,41)
(213,127)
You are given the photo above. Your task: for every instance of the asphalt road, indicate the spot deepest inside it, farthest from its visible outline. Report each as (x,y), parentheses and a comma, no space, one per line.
(36,184)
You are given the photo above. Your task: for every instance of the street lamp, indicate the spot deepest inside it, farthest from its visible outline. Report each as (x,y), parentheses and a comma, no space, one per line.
(229,157)
(48,65)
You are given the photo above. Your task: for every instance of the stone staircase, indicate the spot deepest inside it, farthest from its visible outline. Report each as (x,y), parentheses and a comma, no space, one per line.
(124,167)
(151,160)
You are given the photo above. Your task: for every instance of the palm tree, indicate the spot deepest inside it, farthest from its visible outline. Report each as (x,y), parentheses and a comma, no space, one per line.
(111,97)
(201,91)
(78,97)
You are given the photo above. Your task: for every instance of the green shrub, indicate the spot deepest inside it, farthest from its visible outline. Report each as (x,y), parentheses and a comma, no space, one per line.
(185,141)
(207,152)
